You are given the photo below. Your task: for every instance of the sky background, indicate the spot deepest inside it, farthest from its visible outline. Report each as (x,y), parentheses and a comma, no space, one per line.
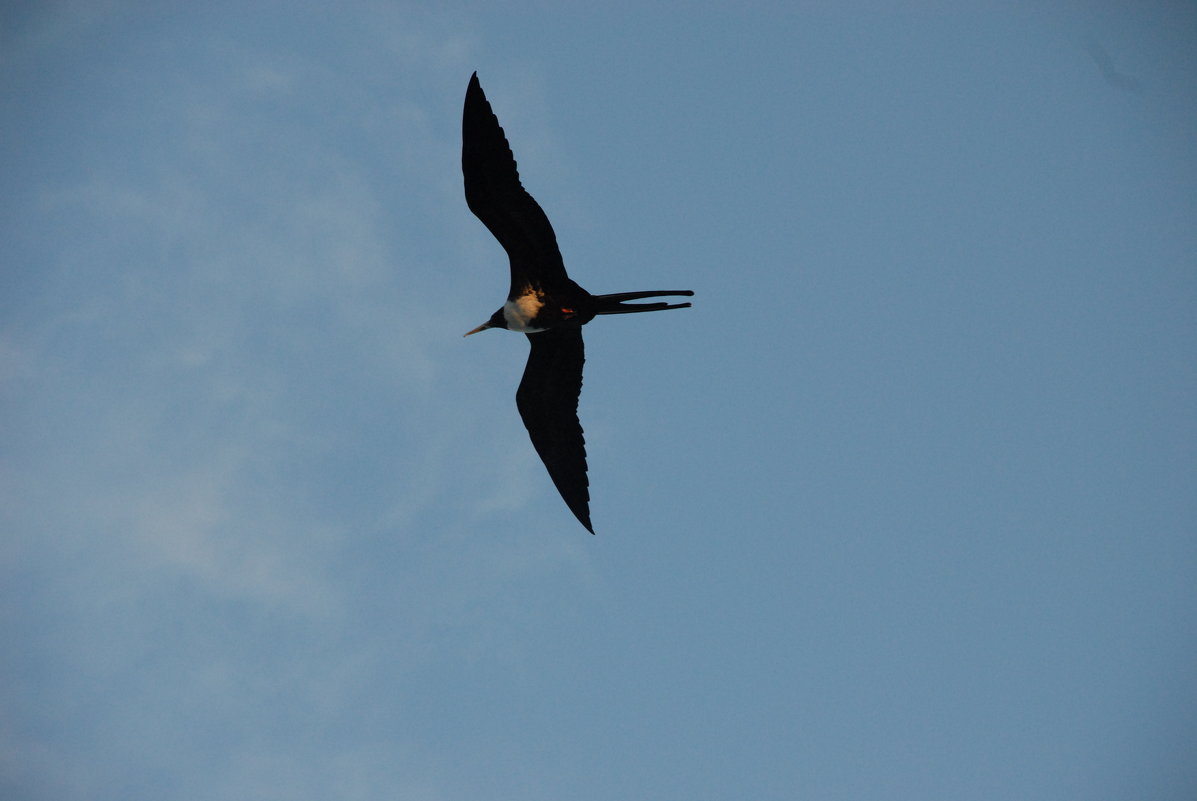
(904,508)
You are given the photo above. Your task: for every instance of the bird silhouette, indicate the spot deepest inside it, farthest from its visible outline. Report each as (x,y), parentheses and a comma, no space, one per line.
(1109,71)
(543,302)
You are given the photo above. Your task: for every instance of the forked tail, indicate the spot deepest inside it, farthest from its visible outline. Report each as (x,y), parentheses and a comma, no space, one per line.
(614,304)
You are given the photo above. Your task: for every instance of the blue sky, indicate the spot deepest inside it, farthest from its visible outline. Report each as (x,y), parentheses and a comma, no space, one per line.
(903,508)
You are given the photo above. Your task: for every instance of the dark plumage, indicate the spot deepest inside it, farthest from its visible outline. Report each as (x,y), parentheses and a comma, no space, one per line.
(542,302)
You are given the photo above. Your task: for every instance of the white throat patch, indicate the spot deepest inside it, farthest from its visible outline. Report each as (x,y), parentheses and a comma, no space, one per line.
(520,311)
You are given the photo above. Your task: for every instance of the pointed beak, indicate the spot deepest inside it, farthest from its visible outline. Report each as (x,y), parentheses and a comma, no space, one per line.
(482,327)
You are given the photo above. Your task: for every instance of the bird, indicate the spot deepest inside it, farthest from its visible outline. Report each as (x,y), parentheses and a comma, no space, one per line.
(543,302)
(1109,71)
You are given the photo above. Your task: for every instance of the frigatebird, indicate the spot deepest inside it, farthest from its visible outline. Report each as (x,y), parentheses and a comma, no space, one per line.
(543,302)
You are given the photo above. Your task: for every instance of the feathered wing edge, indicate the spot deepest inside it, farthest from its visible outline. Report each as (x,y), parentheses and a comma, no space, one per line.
(547,400)
(494,193)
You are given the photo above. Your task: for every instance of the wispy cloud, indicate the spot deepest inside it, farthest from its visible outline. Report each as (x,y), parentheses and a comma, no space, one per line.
(228,405)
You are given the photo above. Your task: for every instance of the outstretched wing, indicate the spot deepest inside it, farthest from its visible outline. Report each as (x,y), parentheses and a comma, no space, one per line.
(548,404)
(495,195)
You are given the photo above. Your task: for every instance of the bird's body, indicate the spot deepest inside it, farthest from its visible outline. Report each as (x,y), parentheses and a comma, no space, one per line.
(522,313)
(542,301)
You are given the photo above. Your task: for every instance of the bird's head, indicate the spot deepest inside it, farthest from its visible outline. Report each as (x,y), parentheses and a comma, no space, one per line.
(497,320)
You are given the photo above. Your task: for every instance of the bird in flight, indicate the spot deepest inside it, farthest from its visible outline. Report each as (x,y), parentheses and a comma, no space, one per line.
(543,302)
